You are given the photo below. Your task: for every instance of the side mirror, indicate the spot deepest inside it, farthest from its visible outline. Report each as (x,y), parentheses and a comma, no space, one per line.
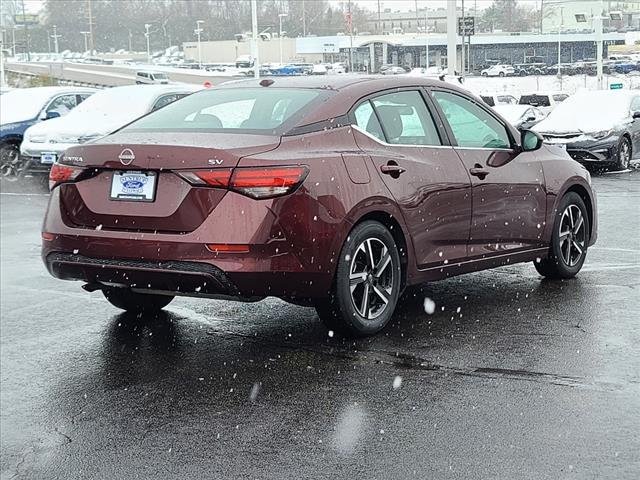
(636,114)
(530,140)
(50,115)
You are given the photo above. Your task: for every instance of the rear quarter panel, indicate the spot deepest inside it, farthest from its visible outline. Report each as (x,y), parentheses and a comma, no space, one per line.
(318,218)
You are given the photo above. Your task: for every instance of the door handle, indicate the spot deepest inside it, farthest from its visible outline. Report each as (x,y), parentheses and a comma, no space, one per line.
(393,170)
(478,171)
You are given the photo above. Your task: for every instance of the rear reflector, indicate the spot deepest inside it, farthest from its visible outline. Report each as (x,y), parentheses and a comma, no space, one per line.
(259,183)
(48,237)
(227,248)
(62,174)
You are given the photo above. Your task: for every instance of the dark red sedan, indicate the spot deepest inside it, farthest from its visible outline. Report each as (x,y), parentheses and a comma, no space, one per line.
(336,193)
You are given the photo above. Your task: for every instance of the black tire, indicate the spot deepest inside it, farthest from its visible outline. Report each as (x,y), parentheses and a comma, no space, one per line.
(368,243)
(125,299)
(484,74)
(562,263)
(624,154)
(12,165)
(501,74)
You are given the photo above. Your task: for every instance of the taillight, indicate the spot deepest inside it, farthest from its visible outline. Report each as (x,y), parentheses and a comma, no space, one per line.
(254,182)
(63,174)
(212,178)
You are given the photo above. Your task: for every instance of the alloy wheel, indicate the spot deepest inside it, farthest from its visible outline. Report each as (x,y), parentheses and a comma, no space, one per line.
(12,165)
(371,278)
(572,235)
(625,154)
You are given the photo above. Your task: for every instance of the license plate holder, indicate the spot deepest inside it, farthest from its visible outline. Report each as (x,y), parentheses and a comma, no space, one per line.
(47,158)
(133,186)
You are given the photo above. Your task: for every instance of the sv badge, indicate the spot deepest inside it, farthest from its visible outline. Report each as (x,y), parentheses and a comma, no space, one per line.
(215,161)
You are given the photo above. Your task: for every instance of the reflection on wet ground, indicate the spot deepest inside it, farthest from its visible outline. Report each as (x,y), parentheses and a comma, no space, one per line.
(511,376)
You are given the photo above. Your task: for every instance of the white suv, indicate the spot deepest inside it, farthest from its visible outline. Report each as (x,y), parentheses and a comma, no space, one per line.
(498,71)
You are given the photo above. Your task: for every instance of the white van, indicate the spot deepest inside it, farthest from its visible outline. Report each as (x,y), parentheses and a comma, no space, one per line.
(151,78)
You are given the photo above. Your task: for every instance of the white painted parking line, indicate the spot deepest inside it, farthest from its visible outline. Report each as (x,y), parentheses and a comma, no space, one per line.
(24,194)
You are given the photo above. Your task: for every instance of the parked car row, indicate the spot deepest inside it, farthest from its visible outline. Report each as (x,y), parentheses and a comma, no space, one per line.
(28,143)
(581,67)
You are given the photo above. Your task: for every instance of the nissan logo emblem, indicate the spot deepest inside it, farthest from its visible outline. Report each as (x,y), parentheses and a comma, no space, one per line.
(126,156)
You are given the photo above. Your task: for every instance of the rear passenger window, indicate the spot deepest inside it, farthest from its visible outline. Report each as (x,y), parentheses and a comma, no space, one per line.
(366,119)
(405,119)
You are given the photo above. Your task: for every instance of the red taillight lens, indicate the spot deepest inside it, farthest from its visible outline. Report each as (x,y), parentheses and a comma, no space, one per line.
(259,183)
(63,174)
(212,178)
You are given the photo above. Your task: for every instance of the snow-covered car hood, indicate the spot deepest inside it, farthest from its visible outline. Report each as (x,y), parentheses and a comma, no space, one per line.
(65,129)
(588,112)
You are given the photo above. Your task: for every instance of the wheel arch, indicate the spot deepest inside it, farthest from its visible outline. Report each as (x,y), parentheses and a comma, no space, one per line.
(588,202)
(11,140)
(397,232)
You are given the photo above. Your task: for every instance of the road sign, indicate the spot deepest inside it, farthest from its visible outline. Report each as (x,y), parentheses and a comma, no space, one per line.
(615,86)
(26,19)
(466,26)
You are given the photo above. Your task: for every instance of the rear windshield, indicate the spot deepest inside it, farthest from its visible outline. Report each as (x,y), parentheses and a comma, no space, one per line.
(232,110)
(535,100)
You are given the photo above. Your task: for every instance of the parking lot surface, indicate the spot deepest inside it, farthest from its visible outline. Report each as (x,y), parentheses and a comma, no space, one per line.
(512,376)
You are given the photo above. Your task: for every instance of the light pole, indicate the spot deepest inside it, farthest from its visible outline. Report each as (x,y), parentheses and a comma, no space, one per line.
(280,17)
(560,45)
(599,67)
(86,40)
(199,31)
(55,37)
(147,26)
(255,52)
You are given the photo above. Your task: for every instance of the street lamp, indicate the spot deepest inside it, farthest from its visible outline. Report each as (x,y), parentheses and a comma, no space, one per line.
(147,26)
(55,37)
(86,40)
(198,31)
(280,17)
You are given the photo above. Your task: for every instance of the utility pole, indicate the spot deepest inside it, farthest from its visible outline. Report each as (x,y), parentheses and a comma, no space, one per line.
(426,32)
(462,62)
(146,34)
(280,17)
(304,21)
(26,33)
(599,69)
(379,21)
(452,37)
(198,32)
(55,37)
(49,41)
(350,39)
(130,39)
(255,52)
(86,40)
(560,45)
(2,80)
(91,45)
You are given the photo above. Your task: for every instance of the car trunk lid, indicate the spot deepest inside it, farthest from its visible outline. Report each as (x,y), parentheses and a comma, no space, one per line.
(177,207)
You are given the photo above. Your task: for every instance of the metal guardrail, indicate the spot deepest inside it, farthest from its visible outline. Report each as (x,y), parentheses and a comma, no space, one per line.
(61,81)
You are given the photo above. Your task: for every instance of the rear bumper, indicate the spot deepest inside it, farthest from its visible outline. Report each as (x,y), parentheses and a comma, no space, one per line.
(183,277)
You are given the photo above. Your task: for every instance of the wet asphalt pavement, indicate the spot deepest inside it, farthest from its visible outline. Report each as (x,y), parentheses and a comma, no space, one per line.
(512,377)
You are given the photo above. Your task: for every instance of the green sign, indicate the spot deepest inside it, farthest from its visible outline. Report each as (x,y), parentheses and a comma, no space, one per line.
(615,86)
(26,19)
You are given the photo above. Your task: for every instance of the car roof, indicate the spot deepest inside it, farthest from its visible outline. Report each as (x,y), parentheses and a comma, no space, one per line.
(338,82)
(348,89)
(52,91)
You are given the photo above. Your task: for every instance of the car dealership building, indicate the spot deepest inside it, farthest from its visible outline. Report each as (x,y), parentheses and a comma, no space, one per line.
(371,51)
